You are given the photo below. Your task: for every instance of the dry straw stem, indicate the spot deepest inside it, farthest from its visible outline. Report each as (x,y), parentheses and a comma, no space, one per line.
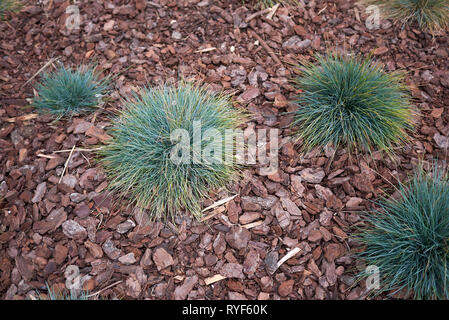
(49,62)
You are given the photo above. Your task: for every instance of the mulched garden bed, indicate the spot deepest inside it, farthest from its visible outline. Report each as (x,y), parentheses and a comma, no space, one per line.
(311,203)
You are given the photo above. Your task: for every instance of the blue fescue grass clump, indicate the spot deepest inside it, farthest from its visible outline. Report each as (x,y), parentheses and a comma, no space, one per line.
(272,3)
(432,15)
(348,101)
(139,161)
(9,6)
(408,238)
(70,92)
(53,294)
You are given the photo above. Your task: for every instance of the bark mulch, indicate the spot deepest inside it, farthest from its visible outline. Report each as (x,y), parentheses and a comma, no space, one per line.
(311,203)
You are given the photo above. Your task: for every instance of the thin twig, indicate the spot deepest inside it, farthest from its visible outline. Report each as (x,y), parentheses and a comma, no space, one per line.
(253,224)
(77,150)
(101,220)
(265,46)
(46,156)
(213,214)
(85,158)
(66,164)
(104,289)
(219,203)
(25,117)
(257,14)
(290,254)
(321,11)
(154,4)
(273,11)
(9,25)
(205,50)
(40,70)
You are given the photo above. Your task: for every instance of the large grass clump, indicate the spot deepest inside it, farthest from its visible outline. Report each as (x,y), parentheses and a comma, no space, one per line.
(69,92)
(408,238)
(139,159)
(9,6)
(347,101)
(432,15)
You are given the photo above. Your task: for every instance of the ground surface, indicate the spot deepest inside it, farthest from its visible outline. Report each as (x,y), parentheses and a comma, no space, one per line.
(311,203)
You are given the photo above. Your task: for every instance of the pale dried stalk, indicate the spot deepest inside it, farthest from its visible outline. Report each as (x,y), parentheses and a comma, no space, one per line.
(219,203)
(289,255)
(66,164)
(213,279)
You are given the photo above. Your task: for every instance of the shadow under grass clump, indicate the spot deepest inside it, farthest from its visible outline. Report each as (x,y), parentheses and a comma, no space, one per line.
(408,238)
(152,158)
(351,102)
(70,92)
(432,15)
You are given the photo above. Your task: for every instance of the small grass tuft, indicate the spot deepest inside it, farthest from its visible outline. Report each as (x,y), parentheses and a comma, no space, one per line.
(55,294)
(432,15)
(138,160)
(351,102)
(271,3)
(9,6)
(68,92)
(408,238)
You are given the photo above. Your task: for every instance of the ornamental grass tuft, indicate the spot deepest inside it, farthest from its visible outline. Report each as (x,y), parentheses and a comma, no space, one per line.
(271,3)
(9,6)
(147,162)
(408,238)
(432,15)
(347,101)
(70,92)
(66,295)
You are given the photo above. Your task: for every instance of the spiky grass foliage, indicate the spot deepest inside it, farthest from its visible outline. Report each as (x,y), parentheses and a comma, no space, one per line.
(272,3)
(432,15)
(53,294)
(408,238)
(69,92)
(348,101)
(139,158)
(9,6)
(67,296)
